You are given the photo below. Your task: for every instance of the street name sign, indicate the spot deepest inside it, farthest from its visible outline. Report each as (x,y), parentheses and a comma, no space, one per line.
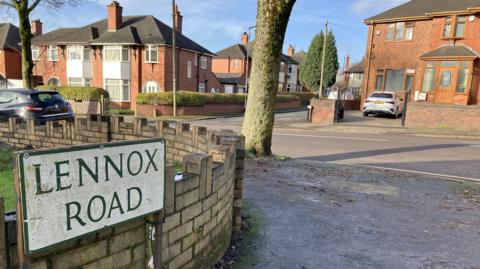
(67,193)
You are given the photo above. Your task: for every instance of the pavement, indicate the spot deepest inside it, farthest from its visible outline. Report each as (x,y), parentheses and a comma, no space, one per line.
(318,215)
(382,143)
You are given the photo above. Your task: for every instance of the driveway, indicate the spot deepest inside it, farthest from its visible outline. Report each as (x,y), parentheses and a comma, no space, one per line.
(294,138)
(317,215)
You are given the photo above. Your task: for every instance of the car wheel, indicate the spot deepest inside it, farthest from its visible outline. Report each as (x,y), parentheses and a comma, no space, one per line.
(365,114)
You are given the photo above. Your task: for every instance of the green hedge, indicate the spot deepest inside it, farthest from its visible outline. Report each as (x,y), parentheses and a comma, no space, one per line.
(78,93)
(185,98)
(304,96)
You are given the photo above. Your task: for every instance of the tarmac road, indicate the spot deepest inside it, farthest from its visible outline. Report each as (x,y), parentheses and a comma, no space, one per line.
(458,158)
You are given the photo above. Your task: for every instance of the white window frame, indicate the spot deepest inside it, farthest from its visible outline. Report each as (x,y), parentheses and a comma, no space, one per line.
(87,51)
(122,83)
(75,50)
(201,87)
(149,85)
(196,60)
(35,52)
(203,62)
(189,69)
(53,53)
(52,78)
(148,53)
(121,52)
(81,82)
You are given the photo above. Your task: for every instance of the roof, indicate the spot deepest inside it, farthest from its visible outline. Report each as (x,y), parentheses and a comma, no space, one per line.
(419,8)
(356,68)
(9,37)
(239,51)
(451,51)
(230,78)
(299,56)
(135,30)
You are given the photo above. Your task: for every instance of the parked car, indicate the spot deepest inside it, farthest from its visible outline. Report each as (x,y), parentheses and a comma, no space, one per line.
(31,104)
(383,103)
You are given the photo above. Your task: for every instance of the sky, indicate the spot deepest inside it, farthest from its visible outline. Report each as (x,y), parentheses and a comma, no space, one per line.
(217,24)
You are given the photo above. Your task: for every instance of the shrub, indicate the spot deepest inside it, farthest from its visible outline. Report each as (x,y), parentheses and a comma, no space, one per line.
(304,96)
(78,93)
(122,112)
(185,98)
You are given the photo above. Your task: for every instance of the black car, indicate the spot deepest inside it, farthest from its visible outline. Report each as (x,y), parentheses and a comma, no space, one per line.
(37,105)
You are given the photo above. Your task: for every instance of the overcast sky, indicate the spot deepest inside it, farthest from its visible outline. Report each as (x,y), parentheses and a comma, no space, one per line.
(217,24)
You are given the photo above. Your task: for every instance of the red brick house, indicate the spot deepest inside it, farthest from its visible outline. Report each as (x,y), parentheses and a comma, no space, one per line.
(10,57)
(124,55)
(429,47)
(230,67)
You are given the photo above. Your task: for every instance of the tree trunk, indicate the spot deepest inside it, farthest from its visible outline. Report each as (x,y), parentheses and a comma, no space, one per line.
(26,39)
(272,21)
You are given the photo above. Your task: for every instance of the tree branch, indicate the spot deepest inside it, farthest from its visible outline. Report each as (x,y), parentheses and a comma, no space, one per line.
(8,4)
(34,5)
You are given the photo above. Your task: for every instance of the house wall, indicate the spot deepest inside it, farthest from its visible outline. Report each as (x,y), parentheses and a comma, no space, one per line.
(227,66)
(406,54)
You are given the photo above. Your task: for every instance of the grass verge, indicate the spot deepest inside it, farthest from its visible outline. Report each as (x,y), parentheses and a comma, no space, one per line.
(7,186)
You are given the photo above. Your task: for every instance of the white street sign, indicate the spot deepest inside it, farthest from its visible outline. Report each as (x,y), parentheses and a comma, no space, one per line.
(71,192)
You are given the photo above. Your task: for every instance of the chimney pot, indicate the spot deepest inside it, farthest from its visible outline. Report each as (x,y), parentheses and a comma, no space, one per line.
(114,16)
(245,38)
(37,27)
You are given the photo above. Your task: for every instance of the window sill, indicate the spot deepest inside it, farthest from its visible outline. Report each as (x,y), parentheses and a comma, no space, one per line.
(453,38)
(152,62)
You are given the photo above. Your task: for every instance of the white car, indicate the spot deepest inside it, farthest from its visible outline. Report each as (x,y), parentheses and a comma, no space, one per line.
(383,103)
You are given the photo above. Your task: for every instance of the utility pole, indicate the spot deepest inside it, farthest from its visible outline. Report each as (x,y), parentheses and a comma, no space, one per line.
(174,56)
(323,59)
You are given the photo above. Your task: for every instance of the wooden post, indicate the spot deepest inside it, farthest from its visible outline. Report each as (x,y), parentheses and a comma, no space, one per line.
(3,239)
(24,261)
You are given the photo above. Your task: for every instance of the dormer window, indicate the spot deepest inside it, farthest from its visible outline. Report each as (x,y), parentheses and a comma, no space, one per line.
(399,31)
(454,26)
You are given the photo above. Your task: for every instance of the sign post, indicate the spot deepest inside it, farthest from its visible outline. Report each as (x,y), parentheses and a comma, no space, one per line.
(68,193)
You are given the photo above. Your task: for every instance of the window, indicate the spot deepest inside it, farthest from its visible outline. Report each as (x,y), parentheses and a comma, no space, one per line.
(35,52)
(151,87)
(429,80)
(399,31)
(446,79)
(7,97)
(382,95)
(201,87)
(379,83)
(118,89)
(290,68)
(75,82)
(289,87)
(86,54)
(189,69)
(462,81)
(408,83)
(203,62)
(454,26)
(53,82)
(236,64)
(75,53)
(394,80)
(196,59)
(87,82)
(114,53)
(53,53)
(151,54)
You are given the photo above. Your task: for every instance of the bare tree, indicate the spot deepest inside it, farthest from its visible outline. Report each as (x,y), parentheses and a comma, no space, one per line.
(23,9)
(272,21)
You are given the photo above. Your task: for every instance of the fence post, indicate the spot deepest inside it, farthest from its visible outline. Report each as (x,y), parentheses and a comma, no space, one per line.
(3,239)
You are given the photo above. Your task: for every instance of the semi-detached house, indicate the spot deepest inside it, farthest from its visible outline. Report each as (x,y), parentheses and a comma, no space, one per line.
(125,55)
(10,57)
(428,47)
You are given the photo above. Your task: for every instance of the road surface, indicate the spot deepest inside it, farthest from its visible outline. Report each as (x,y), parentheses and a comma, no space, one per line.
(440,156)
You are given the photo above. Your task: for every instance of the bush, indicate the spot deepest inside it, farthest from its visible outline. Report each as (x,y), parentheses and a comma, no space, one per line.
(185,98)
(121,112)
(304,96)
(78,93)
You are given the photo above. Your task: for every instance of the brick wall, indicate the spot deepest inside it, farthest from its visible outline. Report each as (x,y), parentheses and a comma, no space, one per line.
(323,111)
(426,115)
(201,210)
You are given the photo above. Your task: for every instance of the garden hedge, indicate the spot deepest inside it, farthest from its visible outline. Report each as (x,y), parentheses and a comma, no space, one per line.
(304,96)
(185,98)
(78,93)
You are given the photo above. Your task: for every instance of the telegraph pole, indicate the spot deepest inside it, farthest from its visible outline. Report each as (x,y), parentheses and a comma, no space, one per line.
(323,59)
(174,56)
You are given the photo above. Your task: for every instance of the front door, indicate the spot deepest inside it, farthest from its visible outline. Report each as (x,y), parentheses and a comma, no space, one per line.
(445,85)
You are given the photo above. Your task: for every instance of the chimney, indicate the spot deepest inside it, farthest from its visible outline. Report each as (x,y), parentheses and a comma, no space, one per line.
(291,50)
(178,20)
(37,28)
(347,63)
(114,16)
(245,38)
